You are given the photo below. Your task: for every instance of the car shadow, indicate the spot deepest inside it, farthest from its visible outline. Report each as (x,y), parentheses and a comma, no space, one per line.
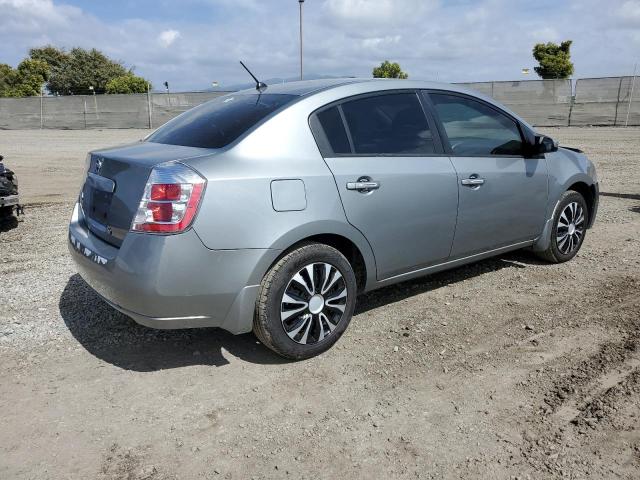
(401,291)
(629,196)
(115,338)
(8,223)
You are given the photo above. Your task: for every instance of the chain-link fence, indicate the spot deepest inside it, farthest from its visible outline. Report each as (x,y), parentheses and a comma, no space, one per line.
(597,101)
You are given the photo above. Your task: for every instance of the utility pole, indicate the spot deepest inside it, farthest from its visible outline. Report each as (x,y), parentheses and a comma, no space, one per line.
(633,84)
(149,106)
(95,101)
(41,106)
(300,2)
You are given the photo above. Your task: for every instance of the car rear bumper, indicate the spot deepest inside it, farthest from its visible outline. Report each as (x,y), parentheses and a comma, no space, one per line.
(171,281)
(9,201)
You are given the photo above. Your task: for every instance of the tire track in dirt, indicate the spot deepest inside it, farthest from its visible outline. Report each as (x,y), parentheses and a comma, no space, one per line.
(585,398)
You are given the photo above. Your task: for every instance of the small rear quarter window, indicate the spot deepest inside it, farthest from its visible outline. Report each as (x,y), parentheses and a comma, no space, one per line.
(333,127)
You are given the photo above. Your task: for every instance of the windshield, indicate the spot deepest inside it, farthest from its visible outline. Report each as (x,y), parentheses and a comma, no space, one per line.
(219,122)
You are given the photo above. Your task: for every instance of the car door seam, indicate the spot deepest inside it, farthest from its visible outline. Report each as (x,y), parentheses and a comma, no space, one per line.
(455,227)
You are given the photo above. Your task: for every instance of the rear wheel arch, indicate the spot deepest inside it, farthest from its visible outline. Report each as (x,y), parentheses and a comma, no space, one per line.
(345,246)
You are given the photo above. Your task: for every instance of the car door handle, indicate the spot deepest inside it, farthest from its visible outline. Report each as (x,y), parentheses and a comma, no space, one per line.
(472,181)
(363,185)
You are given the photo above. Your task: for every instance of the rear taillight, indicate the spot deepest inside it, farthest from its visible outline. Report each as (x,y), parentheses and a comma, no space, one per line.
(170,200)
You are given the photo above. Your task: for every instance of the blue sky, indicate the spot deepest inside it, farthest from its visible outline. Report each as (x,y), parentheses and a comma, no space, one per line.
(191,43)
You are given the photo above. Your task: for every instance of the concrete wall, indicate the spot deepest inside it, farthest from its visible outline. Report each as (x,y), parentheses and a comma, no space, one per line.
(99,111)
(539,102)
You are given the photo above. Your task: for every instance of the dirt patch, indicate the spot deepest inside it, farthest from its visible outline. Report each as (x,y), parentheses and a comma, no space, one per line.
(510,367)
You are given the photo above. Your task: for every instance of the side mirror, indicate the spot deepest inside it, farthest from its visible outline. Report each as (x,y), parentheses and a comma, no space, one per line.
(545,144)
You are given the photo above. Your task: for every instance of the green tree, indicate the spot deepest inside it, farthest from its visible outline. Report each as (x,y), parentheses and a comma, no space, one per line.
(83,69)
(389,70)
(127,84)
(67,73)
(554,60)
(73,72)
(7,79)
(52,56)
(24,81)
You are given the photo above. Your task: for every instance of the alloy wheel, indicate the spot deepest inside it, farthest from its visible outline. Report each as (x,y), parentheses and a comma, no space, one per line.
(570,228)
(313,303)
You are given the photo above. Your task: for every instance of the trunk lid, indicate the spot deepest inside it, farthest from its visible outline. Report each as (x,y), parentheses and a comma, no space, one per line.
(115,182)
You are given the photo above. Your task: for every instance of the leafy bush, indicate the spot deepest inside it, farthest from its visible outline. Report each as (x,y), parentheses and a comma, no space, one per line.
(127,84)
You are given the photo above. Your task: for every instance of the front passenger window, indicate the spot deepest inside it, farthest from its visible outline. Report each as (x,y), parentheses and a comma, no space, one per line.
(474,128)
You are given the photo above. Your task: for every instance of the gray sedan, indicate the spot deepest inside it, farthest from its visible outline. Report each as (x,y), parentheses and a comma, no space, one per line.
(271,210)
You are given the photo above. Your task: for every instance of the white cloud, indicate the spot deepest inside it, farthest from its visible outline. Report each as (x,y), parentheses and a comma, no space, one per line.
(29,15)
(378,42)
(167,37)
(451,41)
(377,12)
(629,12)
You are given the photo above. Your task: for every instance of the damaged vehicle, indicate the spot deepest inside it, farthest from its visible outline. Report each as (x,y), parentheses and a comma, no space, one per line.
(9,199)
(272,209)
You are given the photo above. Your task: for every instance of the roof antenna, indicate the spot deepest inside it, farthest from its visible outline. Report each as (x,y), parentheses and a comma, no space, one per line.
(260,86)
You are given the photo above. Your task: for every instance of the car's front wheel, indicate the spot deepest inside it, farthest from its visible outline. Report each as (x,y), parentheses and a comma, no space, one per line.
(306,301)
(569,228)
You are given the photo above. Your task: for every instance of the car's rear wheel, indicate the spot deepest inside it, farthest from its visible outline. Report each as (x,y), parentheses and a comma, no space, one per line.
(569,228)
(306,301)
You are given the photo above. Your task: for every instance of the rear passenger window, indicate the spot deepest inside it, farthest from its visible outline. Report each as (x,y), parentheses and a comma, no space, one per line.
(474,128)
(331,123)
(388,124)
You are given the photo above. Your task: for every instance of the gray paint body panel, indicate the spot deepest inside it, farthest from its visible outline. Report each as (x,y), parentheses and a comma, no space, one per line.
(508,208)
(410,220)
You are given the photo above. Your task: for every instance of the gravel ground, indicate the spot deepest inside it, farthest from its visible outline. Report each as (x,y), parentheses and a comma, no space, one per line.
(506,368)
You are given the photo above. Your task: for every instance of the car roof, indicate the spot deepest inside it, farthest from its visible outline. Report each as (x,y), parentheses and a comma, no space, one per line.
(304,87)
(309,88)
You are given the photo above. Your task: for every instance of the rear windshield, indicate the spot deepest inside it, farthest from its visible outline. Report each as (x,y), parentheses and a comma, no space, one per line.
(219,122)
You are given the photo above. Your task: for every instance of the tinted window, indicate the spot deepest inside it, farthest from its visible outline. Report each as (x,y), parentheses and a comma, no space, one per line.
(331,123)
(388,124)
(219,122)
(476,129)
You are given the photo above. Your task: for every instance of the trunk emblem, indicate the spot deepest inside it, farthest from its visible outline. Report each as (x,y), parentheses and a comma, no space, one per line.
(99,163)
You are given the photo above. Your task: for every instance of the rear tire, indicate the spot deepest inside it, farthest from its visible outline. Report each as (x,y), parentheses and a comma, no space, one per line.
(569,228)
(306,301)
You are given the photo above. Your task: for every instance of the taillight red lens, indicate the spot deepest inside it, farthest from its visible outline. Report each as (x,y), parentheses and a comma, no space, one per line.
(166,191)
(170,200)
(162,212)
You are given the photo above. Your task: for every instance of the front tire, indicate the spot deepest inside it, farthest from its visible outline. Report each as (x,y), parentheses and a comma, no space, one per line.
(569,228)
(306,301)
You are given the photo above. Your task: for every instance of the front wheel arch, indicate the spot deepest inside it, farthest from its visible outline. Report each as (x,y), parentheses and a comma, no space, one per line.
(545,247)
(589,193)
